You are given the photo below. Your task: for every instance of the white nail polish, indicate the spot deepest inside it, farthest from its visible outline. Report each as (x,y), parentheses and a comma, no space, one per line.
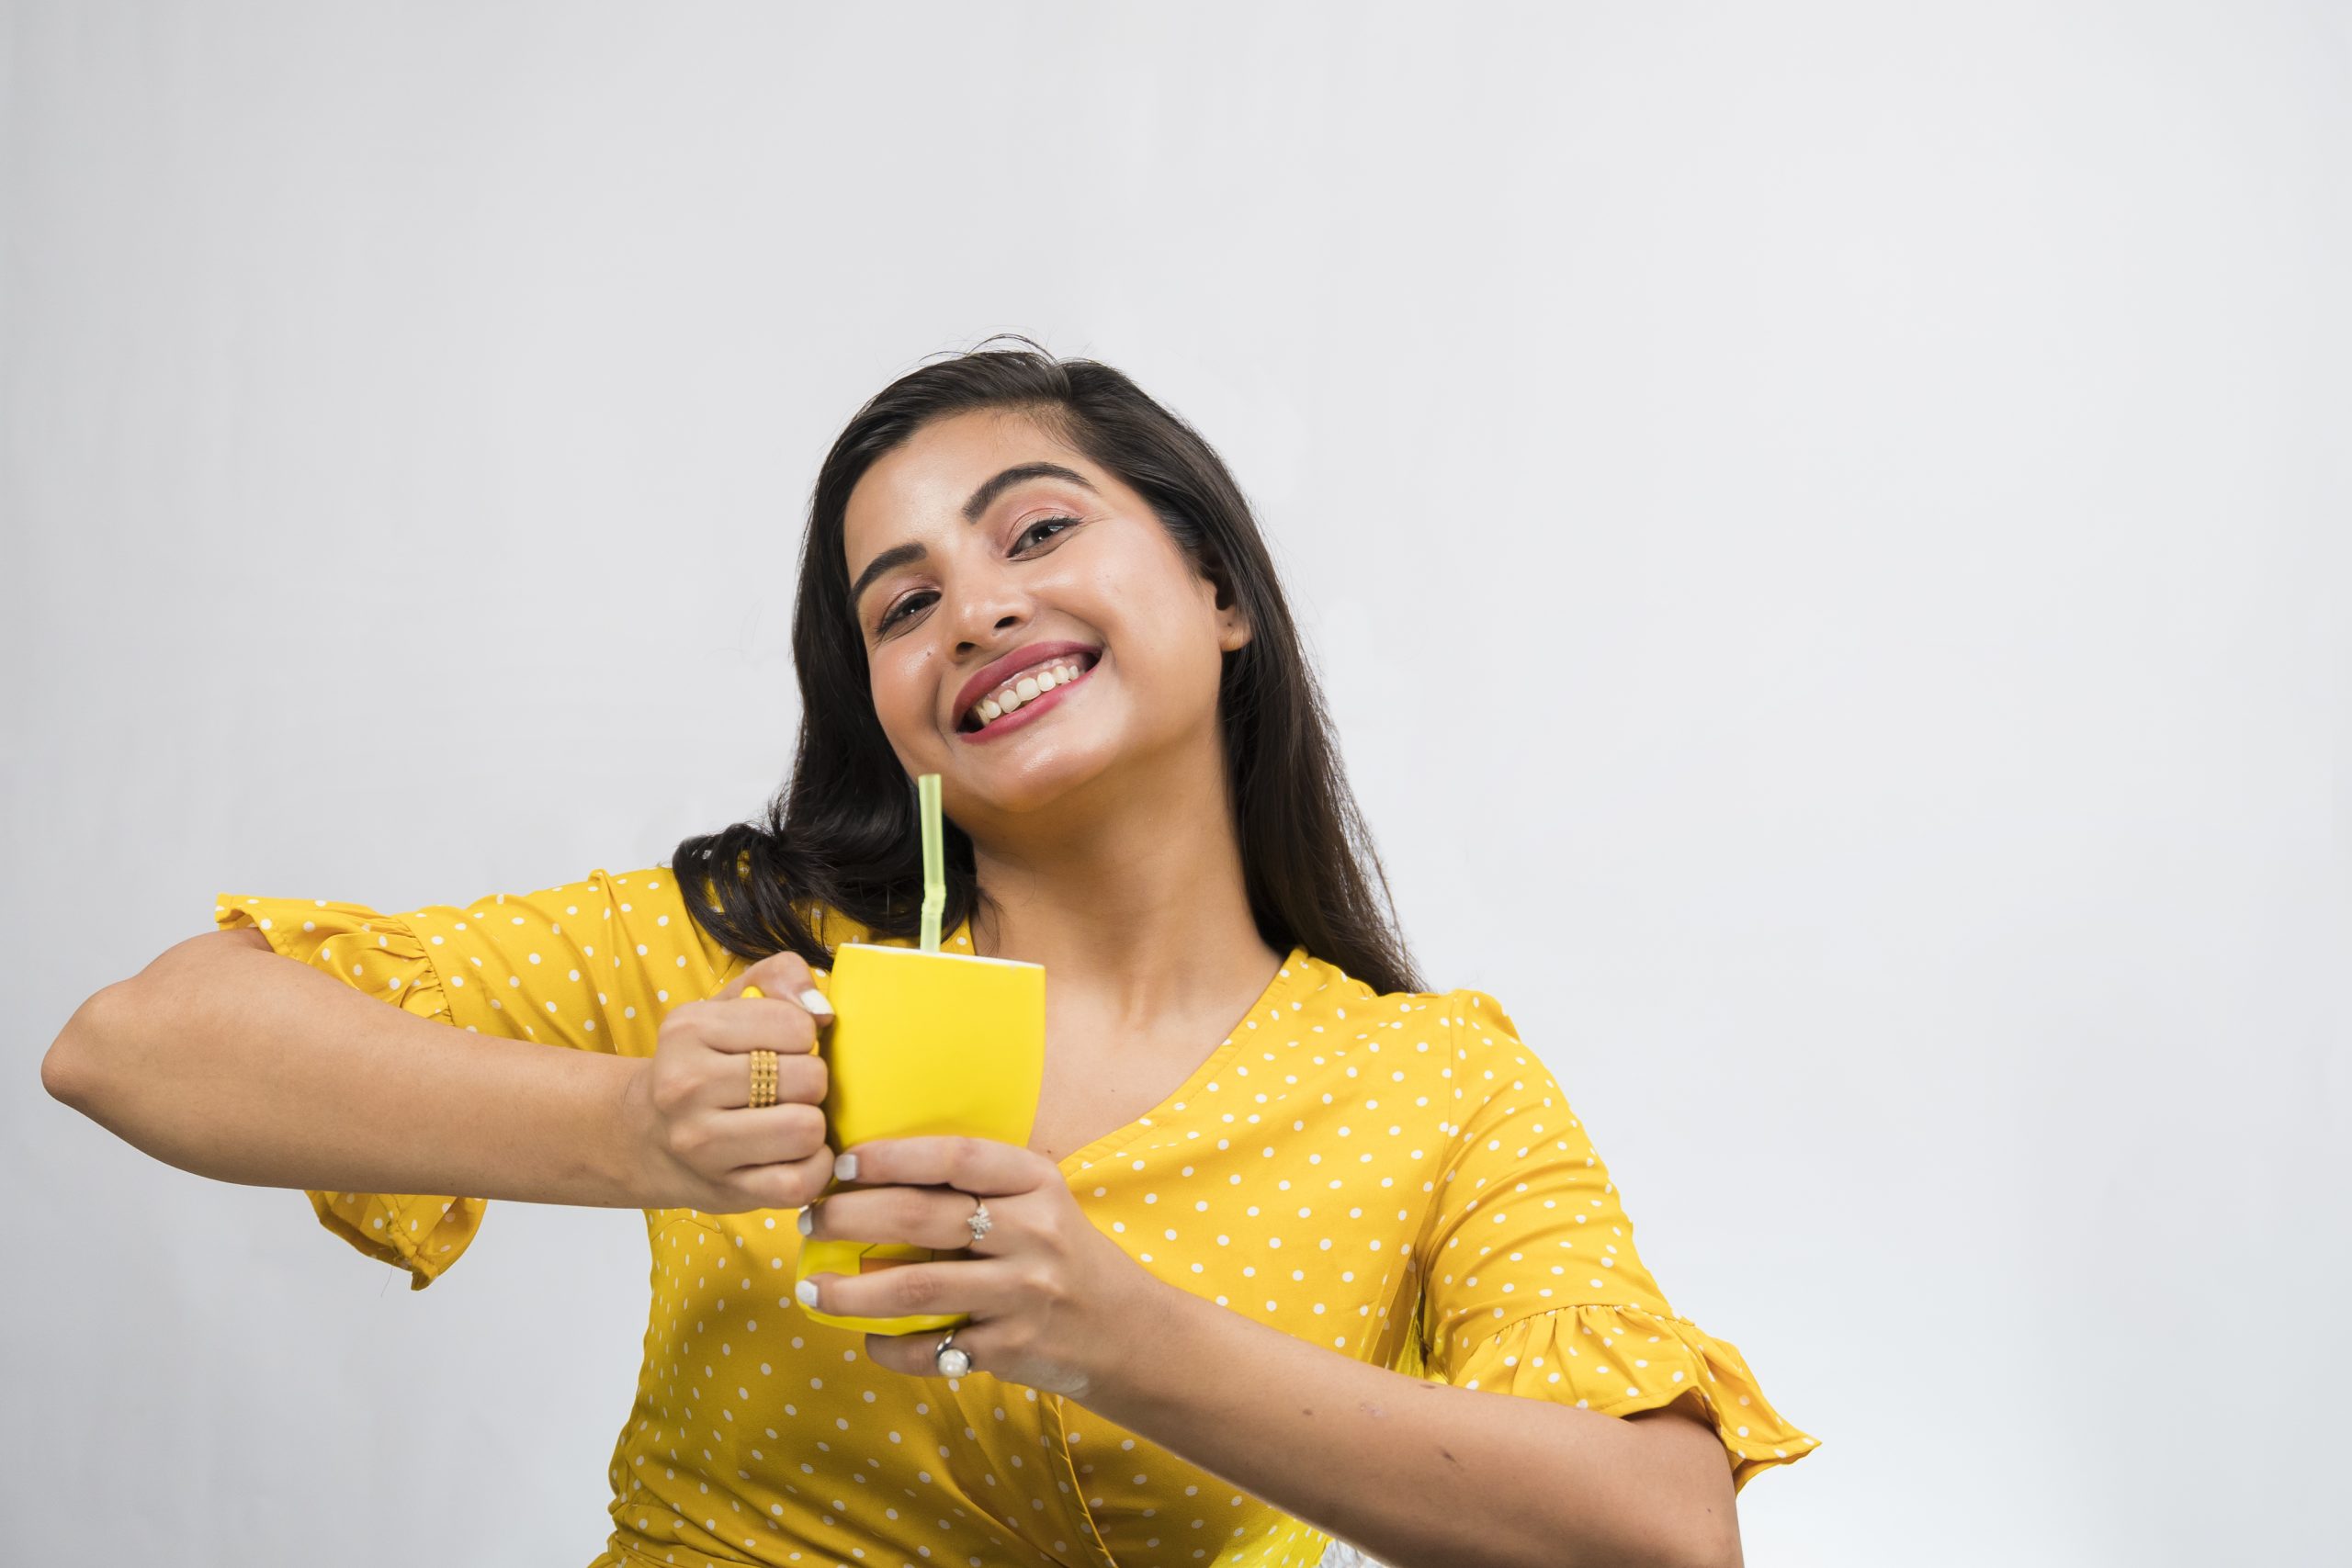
(845,1168)
(807,1222)
(807,1291)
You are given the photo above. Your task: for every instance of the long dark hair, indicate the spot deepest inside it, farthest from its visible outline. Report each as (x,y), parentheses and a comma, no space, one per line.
(844,832)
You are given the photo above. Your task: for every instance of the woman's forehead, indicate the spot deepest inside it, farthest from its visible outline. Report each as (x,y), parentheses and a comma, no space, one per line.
(936,478)
(955,452)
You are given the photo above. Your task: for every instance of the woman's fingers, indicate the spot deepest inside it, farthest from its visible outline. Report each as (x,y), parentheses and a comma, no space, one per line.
(750,1023)
(783,976)
(984,1288)
(770,1134)
(778,974)
(788,1184)
(802,1079)
(935,1217)
(757,1024)
(697,1128)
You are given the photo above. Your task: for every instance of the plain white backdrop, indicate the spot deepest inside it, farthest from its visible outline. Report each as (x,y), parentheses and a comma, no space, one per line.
(1823,527)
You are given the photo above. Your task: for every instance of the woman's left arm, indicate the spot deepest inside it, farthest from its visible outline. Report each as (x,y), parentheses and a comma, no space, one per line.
(1412,1472)
(1416,1472)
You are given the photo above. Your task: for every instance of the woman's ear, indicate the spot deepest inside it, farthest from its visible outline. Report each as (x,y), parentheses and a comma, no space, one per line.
(1232,625)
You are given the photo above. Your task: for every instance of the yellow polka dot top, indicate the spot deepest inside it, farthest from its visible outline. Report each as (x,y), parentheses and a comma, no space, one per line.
(1394,1178)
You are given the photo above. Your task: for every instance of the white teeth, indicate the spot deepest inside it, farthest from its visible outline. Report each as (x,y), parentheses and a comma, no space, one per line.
(1031,685)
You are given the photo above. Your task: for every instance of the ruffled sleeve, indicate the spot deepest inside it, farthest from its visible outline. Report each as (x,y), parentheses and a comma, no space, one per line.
(378,954)
(591,965)
(1618,1360)
(1531,1283)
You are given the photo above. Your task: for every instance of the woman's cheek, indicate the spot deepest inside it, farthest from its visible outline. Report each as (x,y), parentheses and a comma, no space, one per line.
(900,708)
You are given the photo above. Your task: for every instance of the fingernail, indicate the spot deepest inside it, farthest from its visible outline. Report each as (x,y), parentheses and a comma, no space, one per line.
(814,1001)
(845,1168)
(807,1291)
(807,1222)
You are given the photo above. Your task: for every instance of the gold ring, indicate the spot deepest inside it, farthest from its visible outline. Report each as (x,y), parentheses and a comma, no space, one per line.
(762,1079)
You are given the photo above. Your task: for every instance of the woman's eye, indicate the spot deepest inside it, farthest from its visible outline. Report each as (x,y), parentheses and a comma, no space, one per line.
(1045,523)
(907,605)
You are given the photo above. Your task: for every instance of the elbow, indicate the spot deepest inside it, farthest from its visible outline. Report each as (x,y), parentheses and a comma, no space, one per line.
(1712,1541)
(70,1070)
(58,1075)
(1699,1530)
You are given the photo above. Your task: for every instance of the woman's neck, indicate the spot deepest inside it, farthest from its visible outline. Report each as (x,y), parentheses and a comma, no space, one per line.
(1141,915)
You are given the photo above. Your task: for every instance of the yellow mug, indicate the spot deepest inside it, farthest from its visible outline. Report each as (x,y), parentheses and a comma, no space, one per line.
(922,1045)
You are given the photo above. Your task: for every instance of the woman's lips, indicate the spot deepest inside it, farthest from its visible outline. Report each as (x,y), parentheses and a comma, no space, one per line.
(1019,716)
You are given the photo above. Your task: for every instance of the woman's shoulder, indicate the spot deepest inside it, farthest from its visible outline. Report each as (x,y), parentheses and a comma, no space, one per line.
(1460,1019)
(1349,989)
(650,912)
(1333,988)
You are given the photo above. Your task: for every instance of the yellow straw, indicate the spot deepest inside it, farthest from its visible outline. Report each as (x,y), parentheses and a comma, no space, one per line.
(934,875)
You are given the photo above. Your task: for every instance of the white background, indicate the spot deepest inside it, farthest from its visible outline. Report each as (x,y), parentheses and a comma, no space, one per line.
(1823,527)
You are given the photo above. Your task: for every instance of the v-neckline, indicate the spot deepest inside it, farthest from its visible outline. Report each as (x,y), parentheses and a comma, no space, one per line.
(1288,973)
(1291,973)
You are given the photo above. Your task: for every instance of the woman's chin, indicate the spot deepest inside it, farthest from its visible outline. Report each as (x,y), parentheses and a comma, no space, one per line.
(1021,780)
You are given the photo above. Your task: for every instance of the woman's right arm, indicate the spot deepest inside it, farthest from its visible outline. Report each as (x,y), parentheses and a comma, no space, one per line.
(223,1058)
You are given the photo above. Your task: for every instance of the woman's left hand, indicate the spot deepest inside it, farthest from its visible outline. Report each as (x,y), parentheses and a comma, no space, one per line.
(1054,1302)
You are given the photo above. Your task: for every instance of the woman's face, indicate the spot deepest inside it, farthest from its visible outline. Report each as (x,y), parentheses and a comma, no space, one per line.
(979,560)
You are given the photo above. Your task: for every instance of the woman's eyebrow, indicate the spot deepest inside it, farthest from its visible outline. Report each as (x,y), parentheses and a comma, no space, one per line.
(976,503)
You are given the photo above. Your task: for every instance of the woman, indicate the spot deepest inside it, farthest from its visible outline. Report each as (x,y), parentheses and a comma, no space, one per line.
(1289,1221)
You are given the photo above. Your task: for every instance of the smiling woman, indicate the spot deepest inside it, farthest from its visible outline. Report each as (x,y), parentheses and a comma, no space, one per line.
(1278,1187)
(1301,1248)
(975,516)
(1273,1173)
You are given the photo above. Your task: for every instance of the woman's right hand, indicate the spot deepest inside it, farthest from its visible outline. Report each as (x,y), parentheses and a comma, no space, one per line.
(700,1144)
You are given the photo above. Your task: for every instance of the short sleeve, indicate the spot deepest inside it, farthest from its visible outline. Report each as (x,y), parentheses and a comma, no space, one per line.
(1531,1284)
(592,965)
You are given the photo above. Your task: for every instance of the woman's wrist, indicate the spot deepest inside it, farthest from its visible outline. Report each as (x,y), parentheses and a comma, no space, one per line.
(639,1172)
(1123,1362)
